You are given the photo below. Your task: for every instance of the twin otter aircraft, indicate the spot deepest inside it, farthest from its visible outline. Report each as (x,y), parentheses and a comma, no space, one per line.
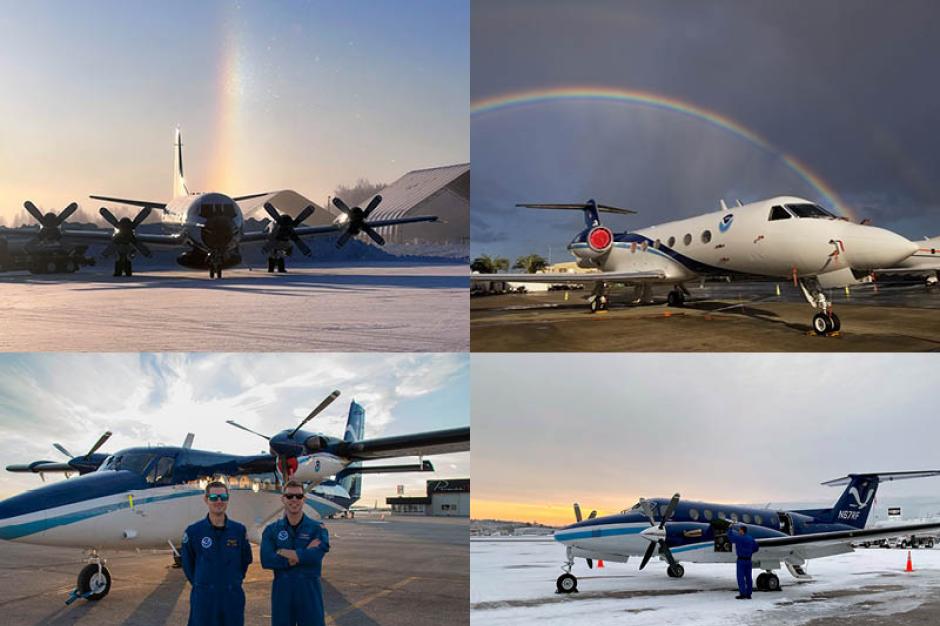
(783,237)
(697,532)
(143,498)
(210,227)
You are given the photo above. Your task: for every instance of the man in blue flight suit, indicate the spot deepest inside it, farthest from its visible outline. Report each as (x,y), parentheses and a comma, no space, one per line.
(215,556)
(745,546)
(294,547)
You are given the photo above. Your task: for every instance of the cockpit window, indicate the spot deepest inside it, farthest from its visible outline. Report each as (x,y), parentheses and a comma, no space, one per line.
(134,462)
(809,210)
(107,464)
(778,213)
(162,472)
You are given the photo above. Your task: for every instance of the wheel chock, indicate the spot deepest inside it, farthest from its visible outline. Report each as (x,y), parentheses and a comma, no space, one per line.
(75,595)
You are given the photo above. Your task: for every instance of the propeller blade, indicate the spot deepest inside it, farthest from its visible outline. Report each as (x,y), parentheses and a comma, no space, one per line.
(377,238)
(99,443)
(142,248)
(648,555)
(577,511)
(664,550)
(342,206)
(300,244)
(108,216)
(62,449)
(32,210)
(237,425)
(592,515)
(371,207)
(307,212)
(647,509)
(271,211)
(343,239)
(67,213)
(326,402)
(670,509)
(590,563)
(144,214)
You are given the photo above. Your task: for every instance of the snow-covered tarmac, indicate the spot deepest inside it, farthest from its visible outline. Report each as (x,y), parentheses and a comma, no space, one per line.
(366,307)
(513,582)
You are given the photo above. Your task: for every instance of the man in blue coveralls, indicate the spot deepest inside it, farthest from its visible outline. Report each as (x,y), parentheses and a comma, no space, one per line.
(745,546)
(294,547)
(215,556)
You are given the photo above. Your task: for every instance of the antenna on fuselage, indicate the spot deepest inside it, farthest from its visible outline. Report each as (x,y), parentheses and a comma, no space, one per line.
(724,207)
(188,442)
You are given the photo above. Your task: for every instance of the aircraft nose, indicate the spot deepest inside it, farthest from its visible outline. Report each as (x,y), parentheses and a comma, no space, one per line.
(870,248)
(217,232)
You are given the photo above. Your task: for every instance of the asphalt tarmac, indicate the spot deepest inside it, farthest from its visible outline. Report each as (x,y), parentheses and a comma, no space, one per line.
(403,571)
(718,318)
(391,307)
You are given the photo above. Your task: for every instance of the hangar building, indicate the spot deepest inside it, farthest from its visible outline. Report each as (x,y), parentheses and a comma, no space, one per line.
(442,191)
(446,498)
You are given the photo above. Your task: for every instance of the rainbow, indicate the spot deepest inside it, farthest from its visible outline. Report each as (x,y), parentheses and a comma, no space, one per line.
(229,95)
(644,98)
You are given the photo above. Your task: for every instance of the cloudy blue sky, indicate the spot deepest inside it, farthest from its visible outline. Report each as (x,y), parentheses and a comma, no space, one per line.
(155,399)
(843,87)
(297,94)
(606,429)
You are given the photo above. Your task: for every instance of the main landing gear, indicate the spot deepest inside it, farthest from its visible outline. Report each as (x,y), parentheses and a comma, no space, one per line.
(215,269)
(825,321)
(94,581)
(599,299)
(767,581)
(676,297)
(123,265)
(276,263)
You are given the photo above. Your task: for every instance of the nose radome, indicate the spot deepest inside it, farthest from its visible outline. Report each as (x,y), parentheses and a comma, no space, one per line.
(872,248)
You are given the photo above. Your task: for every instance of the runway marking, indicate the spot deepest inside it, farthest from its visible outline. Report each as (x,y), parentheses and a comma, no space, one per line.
(331,619)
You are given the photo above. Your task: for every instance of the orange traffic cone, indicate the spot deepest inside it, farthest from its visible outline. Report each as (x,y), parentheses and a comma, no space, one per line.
(910,566)
(600,564)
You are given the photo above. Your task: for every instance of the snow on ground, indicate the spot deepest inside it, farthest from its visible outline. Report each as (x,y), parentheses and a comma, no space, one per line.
(390,307)
(513,582)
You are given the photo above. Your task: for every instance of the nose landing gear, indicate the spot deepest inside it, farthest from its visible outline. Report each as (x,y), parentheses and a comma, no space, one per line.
(94,581)
(825,322)
(567,582)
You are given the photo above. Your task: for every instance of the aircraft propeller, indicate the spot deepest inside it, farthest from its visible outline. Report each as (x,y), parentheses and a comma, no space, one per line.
(356,221)
(656,535)
(50,224)
(577,516)
(101,441)
(124,233)
(284,226)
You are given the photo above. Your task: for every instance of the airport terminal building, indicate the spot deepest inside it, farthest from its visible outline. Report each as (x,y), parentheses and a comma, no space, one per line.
(445,498)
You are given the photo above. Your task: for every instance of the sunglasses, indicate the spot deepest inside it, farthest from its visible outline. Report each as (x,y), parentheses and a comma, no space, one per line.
(215,497)
(294,496)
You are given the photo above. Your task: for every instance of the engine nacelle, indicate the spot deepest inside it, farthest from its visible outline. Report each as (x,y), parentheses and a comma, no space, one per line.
(599,240)
(317,467)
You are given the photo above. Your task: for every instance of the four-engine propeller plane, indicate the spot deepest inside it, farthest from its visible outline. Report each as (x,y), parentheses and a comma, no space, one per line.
(144,497)
(210,227)
(783,237)
(697,532)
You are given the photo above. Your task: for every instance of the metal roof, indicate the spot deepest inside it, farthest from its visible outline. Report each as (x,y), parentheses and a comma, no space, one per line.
(415,187)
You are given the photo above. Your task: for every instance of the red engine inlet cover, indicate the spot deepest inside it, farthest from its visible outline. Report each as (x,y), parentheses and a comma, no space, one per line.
(600,238)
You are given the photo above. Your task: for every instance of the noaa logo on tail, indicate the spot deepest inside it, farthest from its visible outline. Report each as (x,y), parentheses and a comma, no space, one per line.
(725,222)
(858,498)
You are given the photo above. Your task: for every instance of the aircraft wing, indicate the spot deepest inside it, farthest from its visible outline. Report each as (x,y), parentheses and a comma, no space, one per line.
(417,444)
(141,203)
(313,231)
(564,278)
(105,235)
(403,220)
(815,545)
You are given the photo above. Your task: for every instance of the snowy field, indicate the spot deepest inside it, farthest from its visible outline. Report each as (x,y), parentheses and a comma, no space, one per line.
(391,307)
(513,582)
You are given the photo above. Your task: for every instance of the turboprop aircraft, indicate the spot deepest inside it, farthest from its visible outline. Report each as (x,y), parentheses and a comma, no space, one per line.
(783,237)
(697,532)
(210,227)
(144,497)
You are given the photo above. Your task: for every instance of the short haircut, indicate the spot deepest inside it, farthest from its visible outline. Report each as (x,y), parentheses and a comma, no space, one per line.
(743,528)
(291,483)
(216,484)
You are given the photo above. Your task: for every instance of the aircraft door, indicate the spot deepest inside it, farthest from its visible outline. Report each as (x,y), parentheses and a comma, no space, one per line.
(786,523)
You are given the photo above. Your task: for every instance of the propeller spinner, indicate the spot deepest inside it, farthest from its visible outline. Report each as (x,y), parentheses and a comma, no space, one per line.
(356,221)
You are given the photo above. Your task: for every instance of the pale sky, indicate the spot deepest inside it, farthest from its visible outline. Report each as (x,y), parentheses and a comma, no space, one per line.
(156,399)
(304,95)
(606,429)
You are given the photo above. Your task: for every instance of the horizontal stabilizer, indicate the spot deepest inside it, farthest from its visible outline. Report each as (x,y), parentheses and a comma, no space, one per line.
(583,206)
(882,476)
(142,203)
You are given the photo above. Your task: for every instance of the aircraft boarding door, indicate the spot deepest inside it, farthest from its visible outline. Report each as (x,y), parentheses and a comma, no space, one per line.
(786,523)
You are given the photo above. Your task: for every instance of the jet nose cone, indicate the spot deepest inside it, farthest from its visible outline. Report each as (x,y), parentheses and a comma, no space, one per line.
(870,248)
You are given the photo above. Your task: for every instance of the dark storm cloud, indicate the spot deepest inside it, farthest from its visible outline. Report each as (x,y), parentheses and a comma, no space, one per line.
(846,88)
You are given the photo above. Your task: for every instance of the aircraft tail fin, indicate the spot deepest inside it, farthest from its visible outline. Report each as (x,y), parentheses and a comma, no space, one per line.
(856,501)
(355,430)
(179,181)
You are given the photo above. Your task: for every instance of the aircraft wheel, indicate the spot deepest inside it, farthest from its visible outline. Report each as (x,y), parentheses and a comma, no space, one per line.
(675,571)
(566,583)
(218,273)
(271,262)
(595,305)
(128,268)
(821,324)
(675,298)
(211,272)
(117,267)
(280,265)
(91,580)
(836,323)
(761,582)
(772,583)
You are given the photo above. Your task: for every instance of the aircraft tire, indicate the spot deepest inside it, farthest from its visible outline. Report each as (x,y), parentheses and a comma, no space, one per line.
(675,299)
(117,267)
(271,262)
(836,322)
(90,580)
(594,305)
(211,272)
(280,265)
(821,324)
(772,583)
(761,583)
(675,571)
(566,583)
(128,268)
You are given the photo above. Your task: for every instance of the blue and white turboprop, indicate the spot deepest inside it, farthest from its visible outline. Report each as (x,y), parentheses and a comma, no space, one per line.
(210,227)
(697,532)
(143,498)
(783,237)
